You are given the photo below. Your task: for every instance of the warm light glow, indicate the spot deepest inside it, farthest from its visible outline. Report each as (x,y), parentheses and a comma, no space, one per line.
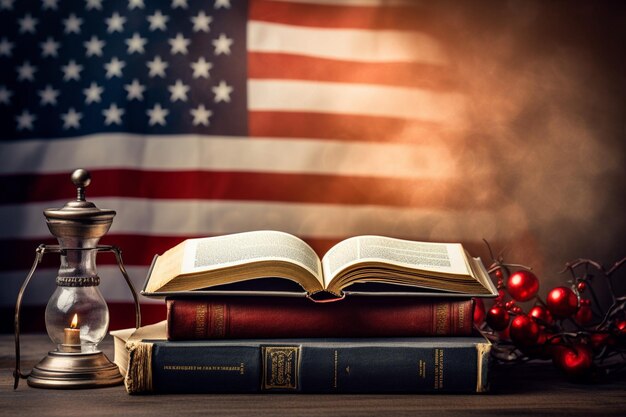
(74,323)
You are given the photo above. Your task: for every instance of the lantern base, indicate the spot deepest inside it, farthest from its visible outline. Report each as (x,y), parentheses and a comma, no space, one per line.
(63,370)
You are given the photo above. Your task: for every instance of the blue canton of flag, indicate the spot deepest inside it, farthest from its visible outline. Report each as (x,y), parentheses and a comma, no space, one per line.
(158,67)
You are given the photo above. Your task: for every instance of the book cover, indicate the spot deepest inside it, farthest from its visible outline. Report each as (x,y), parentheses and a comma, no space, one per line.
(278,317)
(379,365)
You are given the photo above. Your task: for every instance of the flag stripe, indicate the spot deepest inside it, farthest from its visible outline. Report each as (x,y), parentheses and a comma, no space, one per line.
(295,67)
(206,217)
(361,99)
(197,152)
(356,45)
(112,283)
(136,249)
(139,250)
(282,124)
(340,14)
(121,316)
(303,188)
(371,3)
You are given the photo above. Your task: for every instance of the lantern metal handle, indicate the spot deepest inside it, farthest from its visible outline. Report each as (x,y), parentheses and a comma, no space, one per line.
(39,252)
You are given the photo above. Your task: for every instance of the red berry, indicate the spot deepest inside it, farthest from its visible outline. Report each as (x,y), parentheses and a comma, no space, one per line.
(581,286)
(509,304)
(499,273)
(541,314)
(479,311)
(620,328)
(600,340)
(524,331)
(523,285)
(516,309)
(574,360)
(584,315)
(562,302)
(498,318)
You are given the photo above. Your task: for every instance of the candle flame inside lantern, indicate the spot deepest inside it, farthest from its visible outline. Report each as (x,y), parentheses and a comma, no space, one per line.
(74,323)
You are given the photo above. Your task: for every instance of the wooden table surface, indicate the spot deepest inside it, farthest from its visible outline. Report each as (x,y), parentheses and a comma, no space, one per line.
(520,390)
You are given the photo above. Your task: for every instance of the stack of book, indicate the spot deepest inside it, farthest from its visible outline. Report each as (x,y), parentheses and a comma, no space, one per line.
(260,312)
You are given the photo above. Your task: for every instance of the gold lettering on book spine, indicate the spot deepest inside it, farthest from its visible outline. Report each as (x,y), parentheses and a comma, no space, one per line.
(280,367)
(441,318)
(201,317)
(219,321)
(239,368)
(438,371)
(462,312)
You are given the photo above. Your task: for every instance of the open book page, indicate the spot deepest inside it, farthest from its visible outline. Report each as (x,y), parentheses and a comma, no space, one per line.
(444,258)
(240,249)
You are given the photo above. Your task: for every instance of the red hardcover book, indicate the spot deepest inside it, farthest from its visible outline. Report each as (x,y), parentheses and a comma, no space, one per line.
(285,317)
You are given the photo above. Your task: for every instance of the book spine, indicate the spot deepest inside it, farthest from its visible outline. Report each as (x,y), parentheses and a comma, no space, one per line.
(262,317)
(310,367)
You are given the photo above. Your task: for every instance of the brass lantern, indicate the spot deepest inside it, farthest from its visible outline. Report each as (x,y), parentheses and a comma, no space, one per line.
(77,316)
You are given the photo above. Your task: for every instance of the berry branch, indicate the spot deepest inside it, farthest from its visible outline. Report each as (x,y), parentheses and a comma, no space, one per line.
(583,337)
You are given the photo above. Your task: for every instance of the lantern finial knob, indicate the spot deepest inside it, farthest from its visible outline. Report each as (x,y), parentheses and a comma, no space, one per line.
(81,179)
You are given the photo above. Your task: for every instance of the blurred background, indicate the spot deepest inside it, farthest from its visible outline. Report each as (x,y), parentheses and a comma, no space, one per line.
(454,121)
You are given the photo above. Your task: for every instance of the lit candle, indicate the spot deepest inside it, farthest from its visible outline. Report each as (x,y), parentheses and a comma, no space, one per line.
(72,336)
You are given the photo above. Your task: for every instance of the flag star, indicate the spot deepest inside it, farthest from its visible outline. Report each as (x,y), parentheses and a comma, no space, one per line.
(178,91)
(136,44)
(201,22)
(6,47)
(222,44)
(72,24)
(50,47)
(94,4)
(5,95)
(157,67)
(93,93)
(50,4)
(48,96)
(179,3)
(179,44)
(135,4)
(94,46)
(71,119)
(157,115)
(26,72)
(115,23)
(25,120)
(201,68)
(158,21)
(222,92)
(222,3)
(201,115)
(27,24)
(113,115)
(71,71)
(135,90)
(6,4)
(114,68)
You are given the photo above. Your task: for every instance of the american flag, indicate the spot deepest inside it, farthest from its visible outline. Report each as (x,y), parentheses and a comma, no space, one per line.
(325,119)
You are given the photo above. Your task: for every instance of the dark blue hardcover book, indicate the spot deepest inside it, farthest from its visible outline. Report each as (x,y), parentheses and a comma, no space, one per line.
(394,365)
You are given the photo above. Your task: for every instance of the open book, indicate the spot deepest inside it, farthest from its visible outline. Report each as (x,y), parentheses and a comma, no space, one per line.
(255,261)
